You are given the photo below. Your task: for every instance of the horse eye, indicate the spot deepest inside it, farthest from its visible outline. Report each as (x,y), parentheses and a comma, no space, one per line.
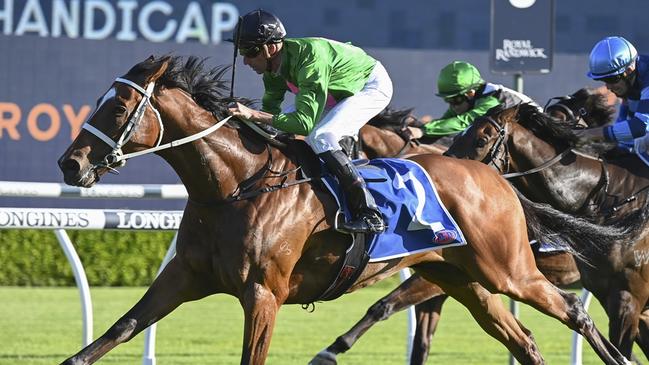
(120,110)
(481,142)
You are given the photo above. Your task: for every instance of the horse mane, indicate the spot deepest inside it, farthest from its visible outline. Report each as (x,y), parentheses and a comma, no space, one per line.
(206,85)
(600,111)
(394,119)
(551,130)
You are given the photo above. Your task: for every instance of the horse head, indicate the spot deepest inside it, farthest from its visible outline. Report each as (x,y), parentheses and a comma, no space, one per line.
(125,120)
(486,139)
(586,108)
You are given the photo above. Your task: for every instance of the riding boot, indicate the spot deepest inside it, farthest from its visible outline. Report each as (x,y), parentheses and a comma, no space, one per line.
(366,215)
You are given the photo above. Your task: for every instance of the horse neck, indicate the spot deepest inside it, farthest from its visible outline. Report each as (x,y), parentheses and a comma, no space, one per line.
(211,167)
(378,142)
(566,186)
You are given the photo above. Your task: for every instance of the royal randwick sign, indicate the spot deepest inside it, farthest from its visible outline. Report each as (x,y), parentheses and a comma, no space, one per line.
(522,35)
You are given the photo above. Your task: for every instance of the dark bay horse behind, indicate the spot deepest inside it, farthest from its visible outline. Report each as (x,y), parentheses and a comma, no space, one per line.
(613,191)
(276,248)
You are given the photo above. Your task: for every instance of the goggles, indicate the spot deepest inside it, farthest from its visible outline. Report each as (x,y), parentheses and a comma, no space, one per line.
(251,51)
(456,100)
(612,79)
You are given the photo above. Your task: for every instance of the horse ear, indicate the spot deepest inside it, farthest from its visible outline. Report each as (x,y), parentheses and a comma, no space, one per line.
(510,113)
(158,71)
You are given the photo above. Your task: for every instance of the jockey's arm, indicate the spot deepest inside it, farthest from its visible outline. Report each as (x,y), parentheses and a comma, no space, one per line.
(625,129)
(274,90)
(313,83)
(629,126)
(451,123)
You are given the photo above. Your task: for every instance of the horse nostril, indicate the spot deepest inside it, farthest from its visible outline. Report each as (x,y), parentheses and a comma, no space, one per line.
(69,166)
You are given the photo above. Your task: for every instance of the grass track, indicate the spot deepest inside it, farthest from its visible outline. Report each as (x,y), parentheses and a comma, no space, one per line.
(43,326)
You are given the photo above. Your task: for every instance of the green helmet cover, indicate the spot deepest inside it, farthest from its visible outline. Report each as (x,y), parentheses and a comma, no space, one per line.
(458,78)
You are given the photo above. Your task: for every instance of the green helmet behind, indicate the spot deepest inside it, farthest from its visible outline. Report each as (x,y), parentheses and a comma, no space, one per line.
(458,78)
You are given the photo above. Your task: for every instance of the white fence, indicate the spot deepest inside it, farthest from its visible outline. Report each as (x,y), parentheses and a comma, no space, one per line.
(59,220)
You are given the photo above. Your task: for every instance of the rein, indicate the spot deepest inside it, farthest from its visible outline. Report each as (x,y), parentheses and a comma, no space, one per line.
(116,157)
(495,150)
(408,143)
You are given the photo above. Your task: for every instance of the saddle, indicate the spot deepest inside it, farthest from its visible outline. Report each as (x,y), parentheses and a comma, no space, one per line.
(310,169)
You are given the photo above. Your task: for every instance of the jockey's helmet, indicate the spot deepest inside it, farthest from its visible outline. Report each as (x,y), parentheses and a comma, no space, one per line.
(260,27)
(458,78)
(610,57)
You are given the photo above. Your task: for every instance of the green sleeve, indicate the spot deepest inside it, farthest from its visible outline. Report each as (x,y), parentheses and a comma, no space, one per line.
(274,90)
(313,81)
(451,123)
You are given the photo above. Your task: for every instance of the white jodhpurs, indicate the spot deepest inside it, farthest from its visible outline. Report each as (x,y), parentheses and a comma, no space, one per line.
(351,113)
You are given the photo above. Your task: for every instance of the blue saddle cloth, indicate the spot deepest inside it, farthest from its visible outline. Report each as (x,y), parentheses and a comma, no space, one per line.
(416,219)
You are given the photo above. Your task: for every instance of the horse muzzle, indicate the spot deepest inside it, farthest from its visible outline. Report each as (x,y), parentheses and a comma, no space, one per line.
(76,173)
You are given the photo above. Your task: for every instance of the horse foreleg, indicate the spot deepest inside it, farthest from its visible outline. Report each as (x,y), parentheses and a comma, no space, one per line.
(412,291)
(428,314)
(172,287)
(486,308)
(260,307)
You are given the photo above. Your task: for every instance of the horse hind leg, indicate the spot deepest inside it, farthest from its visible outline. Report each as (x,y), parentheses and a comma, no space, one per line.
(174,286)
(486,308)
(643,332)
(411,292)
(623,310)
(539,293)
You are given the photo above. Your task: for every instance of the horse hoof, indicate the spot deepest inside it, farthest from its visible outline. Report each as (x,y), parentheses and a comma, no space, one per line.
(324,357)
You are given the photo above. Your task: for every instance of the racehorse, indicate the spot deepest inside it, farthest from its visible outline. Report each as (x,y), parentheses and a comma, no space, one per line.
(537,150)
(387,135)
(586,108)
(270,245)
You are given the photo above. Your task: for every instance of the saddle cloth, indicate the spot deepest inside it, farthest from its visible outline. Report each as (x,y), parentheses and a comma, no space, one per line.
(416,219)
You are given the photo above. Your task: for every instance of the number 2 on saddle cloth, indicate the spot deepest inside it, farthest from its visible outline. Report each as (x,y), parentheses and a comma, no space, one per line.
(416,218)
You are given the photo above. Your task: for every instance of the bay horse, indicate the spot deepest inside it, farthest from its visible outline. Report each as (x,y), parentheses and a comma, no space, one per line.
(539,149)
(587,107)
(387,135)
(273,246)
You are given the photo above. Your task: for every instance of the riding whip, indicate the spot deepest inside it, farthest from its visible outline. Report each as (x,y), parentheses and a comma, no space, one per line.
(234,57)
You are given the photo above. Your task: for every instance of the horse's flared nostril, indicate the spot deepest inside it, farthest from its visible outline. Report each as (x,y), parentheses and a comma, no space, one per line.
(69,166)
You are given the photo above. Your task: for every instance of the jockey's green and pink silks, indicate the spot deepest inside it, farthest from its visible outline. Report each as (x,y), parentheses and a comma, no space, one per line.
(318,67)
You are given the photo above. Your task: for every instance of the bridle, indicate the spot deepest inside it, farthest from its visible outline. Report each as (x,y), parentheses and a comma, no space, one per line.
(496,154)
(582,113)
(116,158)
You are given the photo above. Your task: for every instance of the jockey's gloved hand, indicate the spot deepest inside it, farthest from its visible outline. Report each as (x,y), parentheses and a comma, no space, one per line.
(416,132)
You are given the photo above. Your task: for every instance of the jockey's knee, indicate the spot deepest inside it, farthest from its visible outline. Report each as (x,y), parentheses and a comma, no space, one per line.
(322,142)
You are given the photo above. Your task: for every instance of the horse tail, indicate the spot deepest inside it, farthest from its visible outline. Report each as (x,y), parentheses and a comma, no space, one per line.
(578,235)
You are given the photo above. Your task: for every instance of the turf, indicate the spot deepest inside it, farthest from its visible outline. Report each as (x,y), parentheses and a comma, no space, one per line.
(43,326)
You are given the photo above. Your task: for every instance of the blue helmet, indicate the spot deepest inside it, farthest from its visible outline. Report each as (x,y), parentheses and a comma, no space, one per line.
(610,57)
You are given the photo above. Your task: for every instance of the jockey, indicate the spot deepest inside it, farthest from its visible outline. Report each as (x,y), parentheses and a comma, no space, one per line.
(615,62)
(338,89)
(468,97)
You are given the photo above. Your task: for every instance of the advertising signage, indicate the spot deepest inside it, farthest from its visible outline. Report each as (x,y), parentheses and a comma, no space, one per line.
(522,36)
